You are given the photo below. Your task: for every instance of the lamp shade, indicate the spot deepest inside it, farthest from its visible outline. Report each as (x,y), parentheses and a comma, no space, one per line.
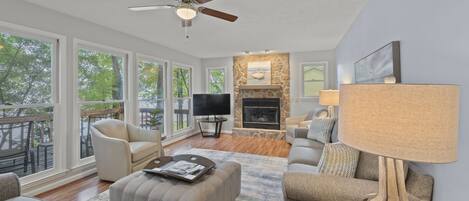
(329,97)
(403,121)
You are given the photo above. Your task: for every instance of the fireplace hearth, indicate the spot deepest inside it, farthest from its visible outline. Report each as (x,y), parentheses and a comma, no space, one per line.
(263,113)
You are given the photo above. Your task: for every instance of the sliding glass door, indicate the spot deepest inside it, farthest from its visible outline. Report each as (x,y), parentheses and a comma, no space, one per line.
(100,90)
(151,93)
(182,98)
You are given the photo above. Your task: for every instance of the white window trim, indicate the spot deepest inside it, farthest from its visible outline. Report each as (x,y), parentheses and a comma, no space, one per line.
(128,57)
(177,133)
(301,75)
(207,76)
(135,88)
(59,91)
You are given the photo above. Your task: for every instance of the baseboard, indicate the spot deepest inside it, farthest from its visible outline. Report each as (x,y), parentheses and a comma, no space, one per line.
(57,183)
(179,138)
(222,131)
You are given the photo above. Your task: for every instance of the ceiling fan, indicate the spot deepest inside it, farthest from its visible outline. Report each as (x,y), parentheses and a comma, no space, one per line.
(188,10)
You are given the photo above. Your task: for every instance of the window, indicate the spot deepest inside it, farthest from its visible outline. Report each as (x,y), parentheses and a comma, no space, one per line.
(182,97)
(151,93)
(314,78)
(216,80)
(100,90)
(27,103)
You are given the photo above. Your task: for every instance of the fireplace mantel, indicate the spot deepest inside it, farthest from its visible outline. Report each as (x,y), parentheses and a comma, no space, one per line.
(273,86)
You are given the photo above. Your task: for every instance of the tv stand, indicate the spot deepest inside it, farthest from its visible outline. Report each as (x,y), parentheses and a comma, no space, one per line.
(218,121)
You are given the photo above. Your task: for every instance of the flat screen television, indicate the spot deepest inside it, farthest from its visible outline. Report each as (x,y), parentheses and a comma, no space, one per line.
(211,104)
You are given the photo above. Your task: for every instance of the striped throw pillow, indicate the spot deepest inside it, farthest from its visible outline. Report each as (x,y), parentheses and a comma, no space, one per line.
(320,129)
(338,160)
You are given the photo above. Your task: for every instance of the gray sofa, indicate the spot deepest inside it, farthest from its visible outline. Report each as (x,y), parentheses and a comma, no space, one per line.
(10,188)
(302,182)
(302,121)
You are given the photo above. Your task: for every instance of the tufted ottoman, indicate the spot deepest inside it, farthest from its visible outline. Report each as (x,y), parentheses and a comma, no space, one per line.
(222,184)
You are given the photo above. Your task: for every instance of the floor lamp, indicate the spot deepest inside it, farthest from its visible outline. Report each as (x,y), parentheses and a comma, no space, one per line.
(400,122)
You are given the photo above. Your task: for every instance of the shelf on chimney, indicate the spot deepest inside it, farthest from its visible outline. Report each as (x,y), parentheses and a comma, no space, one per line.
(273,86)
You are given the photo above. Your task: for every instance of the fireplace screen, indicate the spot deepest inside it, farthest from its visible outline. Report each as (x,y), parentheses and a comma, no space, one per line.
(261,113)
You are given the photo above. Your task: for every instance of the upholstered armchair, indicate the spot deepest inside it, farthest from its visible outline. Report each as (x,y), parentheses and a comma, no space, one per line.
(121,149)
(297,123)
(10,188)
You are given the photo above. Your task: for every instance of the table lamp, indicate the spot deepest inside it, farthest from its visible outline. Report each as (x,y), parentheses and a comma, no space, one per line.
(329,98)
(399,122)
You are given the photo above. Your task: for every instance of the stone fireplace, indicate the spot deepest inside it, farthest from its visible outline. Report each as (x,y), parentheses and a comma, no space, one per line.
(259,118)
(261,113)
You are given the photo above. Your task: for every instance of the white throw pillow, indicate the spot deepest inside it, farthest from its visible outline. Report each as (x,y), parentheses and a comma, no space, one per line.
(321,129)
(338,160)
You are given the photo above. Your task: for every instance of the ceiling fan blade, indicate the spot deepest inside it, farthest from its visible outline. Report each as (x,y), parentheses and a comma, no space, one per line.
(218,14)
(150,7)
(201,1)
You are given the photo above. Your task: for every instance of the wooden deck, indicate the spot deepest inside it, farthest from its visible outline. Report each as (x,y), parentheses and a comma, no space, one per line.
(90,186)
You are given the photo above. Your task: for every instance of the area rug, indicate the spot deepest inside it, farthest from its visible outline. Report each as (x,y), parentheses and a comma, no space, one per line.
(261,176)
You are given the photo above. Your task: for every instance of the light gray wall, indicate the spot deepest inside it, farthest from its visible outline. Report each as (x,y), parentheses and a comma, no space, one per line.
(434,49)
(300,105)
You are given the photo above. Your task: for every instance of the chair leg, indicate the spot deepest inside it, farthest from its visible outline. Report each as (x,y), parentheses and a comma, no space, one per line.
(25,163)
(33,164)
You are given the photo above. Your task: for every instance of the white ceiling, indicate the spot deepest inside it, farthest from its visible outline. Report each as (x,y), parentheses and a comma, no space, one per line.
(279,25)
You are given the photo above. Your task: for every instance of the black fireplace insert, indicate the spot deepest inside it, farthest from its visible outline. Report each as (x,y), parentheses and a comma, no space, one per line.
(261,113)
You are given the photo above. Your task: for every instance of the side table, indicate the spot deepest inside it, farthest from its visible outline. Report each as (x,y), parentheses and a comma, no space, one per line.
(218,121)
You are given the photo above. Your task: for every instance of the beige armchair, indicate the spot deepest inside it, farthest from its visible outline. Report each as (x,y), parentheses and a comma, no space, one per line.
(121,149)
(301,122)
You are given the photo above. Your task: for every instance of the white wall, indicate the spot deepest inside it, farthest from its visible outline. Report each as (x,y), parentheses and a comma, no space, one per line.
(300,105)
(29,15)
(434,39)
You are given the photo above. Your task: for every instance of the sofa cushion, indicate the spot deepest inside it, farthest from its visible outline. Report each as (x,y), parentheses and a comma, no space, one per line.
(140,150)
(368,167)
(304,155)
(304,142)
(297,167)
(112,128)
(338,160)
(320,129)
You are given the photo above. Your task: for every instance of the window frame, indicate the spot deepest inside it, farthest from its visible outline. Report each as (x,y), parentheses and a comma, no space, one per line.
(177,133)
(207,76)
(128,60)
(58,95)
(136,86)
(302,81)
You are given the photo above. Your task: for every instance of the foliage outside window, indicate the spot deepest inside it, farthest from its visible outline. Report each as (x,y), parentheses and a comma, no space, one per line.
(216,81)
(313,78)
(100,91)
(151,94)
(181,90)
(26,104)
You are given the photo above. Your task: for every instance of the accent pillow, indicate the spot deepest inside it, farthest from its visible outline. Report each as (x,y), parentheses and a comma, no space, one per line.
(338,160)
(321,129)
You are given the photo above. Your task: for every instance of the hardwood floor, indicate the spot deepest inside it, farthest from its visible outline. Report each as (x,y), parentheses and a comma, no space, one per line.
(88,187)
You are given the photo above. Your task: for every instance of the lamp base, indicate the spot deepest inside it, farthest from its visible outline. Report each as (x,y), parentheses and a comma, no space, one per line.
(331,111)
(391,180)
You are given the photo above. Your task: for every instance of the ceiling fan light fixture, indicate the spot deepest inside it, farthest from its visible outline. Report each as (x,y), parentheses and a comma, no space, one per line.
(186,12)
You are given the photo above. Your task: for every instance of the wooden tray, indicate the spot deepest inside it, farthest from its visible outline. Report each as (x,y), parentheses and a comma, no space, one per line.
(161,162)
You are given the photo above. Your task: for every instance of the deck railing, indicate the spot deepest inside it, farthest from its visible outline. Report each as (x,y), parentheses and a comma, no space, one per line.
(26,143)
